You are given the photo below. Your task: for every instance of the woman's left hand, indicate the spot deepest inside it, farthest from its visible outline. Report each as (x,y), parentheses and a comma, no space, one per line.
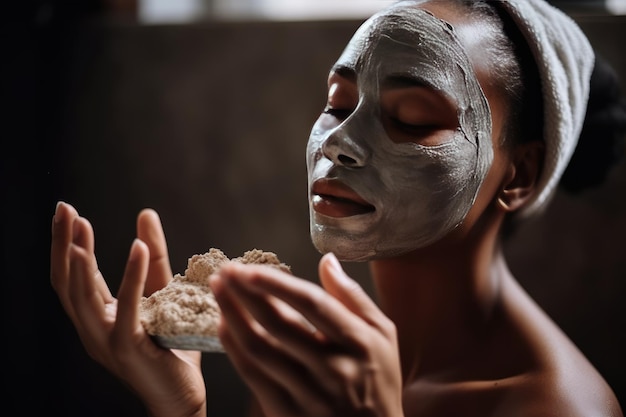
(304,351)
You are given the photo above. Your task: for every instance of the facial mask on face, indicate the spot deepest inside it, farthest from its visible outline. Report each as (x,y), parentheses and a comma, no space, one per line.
(420,193)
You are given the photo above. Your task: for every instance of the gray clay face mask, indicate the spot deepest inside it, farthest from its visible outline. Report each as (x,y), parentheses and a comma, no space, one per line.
(419,193)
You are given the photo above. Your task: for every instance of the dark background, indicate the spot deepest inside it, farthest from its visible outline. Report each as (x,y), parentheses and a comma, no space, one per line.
(207,123)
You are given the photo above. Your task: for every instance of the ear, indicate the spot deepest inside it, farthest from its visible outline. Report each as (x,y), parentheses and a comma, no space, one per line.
(522,175)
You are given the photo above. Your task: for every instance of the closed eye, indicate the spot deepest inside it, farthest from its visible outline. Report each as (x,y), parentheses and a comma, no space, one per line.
(413,128)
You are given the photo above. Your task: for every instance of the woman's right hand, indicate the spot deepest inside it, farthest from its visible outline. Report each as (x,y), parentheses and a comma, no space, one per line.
(169,382)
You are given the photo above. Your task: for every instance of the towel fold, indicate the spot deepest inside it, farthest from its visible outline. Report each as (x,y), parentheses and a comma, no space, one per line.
(565,60)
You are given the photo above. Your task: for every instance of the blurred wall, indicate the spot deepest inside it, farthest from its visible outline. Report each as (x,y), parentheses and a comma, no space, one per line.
(207,124)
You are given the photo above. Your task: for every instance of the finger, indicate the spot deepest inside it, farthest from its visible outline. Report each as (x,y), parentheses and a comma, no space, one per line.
(324,361)
(283,322)
(87,302)
(62,223)
(132,287)
(314,361)
(257,356)
(82,236)
(324,311)
(348,291)
(150,231)
(262,386)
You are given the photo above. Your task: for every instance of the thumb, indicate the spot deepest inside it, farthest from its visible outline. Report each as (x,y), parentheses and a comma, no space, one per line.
(338,284)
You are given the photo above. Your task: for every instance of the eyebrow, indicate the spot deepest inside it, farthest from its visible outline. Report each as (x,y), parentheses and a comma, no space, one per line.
(407,80)
(404,81)
(392,81)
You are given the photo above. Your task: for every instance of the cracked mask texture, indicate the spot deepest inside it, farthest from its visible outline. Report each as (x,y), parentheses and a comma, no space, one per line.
(420,193)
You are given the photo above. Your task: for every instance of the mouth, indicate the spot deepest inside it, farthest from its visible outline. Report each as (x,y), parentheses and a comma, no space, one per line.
(333,198)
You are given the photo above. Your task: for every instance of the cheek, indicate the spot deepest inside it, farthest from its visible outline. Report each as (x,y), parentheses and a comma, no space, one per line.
(312,151)
(325,123)
(447,166)
(431,192)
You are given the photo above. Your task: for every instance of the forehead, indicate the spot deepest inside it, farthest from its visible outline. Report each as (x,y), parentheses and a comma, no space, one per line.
(404,39)
(410,43)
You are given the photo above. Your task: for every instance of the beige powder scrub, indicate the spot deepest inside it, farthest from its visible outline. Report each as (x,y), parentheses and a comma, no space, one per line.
(184,314)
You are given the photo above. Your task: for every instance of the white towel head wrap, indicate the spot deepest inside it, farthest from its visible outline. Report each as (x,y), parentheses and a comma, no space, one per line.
(565,60)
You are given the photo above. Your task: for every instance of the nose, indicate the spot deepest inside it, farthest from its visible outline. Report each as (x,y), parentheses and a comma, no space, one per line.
(341,149)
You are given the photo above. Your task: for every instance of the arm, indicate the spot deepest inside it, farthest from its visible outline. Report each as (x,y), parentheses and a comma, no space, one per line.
(169,382)
(305,351)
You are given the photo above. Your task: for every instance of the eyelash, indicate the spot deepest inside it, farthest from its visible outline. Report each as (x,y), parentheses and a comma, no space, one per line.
(410,128)
(342,114)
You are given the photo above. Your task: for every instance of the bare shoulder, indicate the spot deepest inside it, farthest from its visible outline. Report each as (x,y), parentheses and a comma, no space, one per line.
(540,394)
(526,367)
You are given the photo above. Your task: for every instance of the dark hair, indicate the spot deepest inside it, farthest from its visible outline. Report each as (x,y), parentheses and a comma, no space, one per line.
(602,140)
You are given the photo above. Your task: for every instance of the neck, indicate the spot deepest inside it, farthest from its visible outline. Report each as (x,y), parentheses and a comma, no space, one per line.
(441,300)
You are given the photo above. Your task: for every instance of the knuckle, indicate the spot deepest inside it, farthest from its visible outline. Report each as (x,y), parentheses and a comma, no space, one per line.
(349,395)
(388,328)
(345,370)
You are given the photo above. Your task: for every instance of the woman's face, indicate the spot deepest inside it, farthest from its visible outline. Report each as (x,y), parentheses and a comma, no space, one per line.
(396,159)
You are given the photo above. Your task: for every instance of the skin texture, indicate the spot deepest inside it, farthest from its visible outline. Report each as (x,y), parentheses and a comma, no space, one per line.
(452,333)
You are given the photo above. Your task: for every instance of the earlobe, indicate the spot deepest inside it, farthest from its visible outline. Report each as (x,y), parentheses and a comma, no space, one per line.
(522,176)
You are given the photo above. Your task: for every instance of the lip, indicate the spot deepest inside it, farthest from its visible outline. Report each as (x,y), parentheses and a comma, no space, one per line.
(333,198)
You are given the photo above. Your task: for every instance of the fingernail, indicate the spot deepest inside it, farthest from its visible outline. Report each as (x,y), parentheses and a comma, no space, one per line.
(134,252)
(214,279)
(57,215)
(334,263)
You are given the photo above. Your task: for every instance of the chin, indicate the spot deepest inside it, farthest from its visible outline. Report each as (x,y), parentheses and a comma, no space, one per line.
(345,248)
(350,248)
(363,247)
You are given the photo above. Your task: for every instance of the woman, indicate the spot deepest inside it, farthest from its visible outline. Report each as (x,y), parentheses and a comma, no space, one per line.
(447,124)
